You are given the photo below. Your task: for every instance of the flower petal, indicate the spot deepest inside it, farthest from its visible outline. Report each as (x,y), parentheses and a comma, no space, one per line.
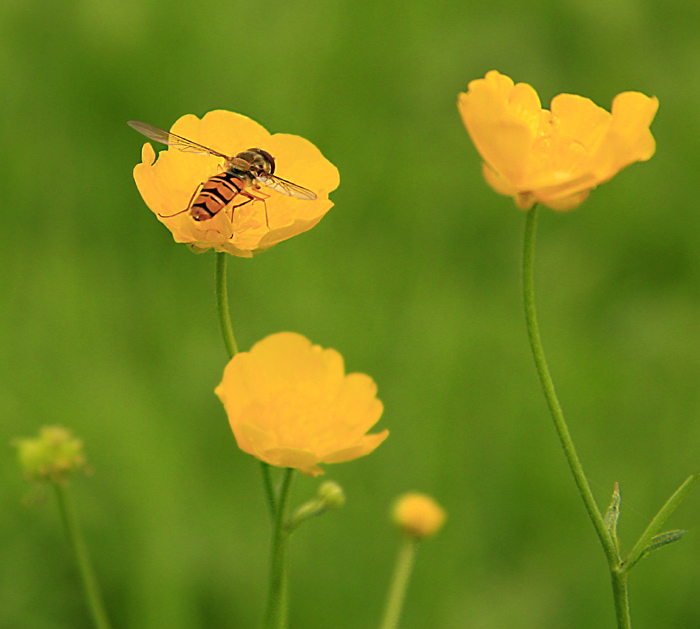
(629,139)
(367,444)
(290,457)
(501,128)
(579,120)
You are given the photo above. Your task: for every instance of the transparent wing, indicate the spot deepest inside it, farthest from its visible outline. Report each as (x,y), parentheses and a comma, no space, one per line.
(165,137)
(286,187)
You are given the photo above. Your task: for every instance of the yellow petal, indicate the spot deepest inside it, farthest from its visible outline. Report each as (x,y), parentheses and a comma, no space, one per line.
(501,130)
(290,457)
(579,120)
(356,406)
(367,444)
(252,439)
(629,139)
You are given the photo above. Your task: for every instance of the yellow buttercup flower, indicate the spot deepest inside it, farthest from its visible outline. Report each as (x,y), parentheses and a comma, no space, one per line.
(418,515)
(553,157)
(168,184)
(291,404)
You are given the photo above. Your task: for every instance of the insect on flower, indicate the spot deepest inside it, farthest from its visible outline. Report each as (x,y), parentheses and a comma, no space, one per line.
(242,175)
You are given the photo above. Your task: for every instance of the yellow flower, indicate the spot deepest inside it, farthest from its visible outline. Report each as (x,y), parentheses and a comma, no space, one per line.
(418,515)
(168,184)
(290,404)
(553,157)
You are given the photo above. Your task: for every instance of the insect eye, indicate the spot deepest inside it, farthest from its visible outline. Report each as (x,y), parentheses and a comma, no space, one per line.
(267,157)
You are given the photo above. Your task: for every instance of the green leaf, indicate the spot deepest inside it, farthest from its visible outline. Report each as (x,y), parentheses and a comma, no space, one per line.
(662,539)
(642,547)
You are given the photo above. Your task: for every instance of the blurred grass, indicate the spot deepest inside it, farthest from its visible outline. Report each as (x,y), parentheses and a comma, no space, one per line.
(110,329)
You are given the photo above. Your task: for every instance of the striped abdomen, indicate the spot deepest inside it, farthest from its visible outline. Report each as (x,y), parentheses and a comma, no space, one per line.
(215,194)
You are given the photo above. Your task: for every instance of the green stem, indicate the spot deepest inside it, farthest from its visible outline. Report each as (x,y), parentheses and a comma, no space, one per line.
(621,596)
(609,547)
(222,305)
(277,603)
(77,542)
(399,584)
(232,349)
(269,489)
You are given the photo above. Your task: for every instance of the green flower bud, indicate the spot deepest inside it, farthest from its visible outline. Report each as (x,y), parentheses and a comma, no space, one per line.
(332,495)
(52,456)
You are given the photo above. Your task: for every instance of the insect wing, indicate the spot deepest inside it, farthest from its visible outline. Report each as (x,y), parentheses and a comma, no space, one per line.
(165,137)
(286,187)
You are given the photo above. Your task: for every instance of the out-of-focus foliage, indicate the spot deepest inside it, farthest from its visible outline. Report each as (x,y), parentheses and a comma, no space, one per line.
(109,328)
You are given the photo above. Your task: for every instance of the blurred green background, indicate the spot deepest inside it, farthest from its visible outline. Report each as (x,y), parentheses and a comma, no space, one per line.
(109,328)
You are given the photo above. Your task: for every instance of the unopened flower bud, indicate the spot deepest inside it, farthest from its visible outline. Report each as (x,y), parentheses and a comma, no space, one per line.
(332,495)
(52,456)
(418,515)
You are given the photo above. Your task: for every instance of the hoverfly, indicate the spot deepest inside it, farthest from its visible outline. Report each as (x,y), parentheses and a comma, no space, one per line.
(248,169)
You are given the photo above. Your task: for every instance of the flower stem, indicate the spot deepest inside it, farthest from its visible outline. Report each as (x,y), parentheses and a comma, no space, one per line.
(77,542)
(621,596)
(269,489)
(232,349)
(277,603)
(222,305)
(609,546)
(399,584)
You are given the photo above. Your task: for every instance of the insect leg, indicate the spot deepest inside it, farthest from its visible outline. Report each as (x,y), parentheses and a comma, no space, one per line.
(250,198)
(189,205)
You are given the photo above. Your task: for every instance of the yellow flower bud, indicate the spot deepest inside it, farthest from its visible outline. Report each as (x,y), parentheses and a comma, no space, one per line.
(52,456)
(418,515)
